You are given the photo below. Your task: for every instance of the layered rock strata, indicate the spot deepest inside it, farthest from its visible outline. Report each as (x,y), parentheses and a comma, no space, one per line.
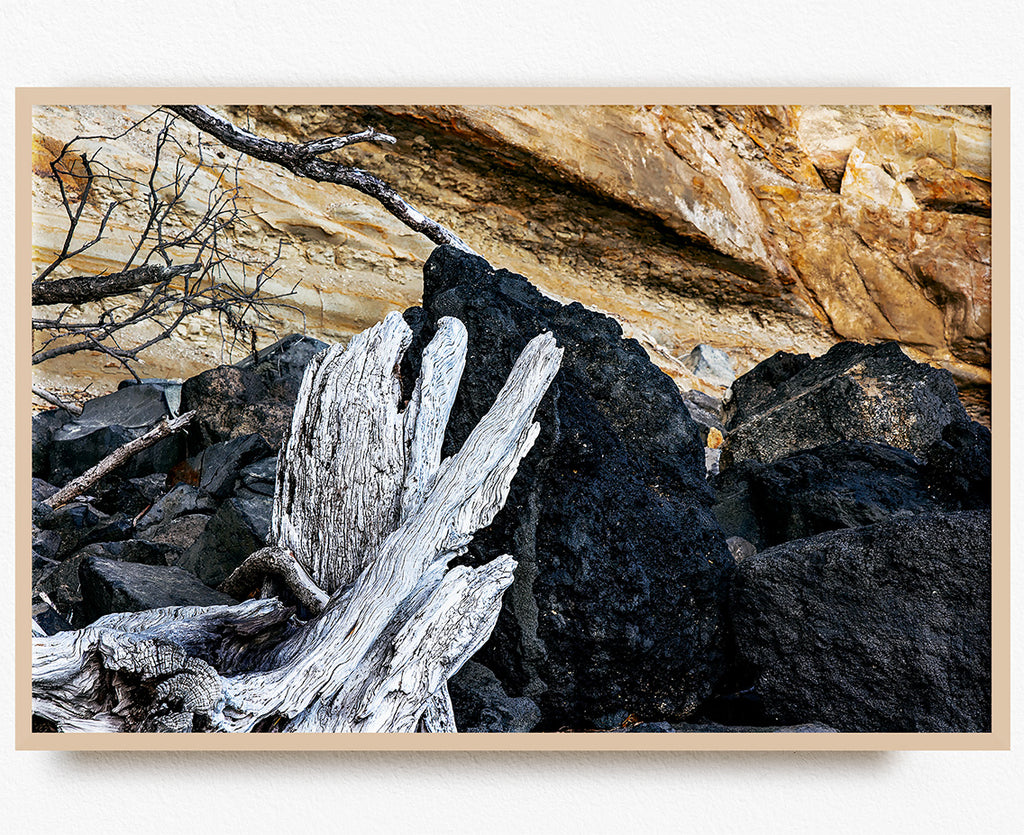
(751,229)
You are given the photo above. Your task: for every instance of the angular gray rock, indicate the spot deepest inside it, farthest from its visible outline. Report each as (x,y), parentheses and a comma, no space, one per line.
(219,465)
(180,500)
(62,586)
(287,358)
(239,527)
(47,618)
(706,412)
(109,422)
(855,392)
(79,524)
(181,532)
(710,364)
(110,586)
(44,425)
(880,628)
(260,476)
(250,397)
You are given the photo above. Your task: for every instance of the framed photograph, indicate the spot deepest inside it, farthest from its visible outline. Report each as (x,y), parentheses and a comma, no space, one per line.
(513,419)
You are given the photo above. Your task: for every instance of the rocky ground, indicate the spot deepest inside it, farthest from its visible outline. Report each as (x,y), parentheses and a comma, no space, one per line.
(810,552)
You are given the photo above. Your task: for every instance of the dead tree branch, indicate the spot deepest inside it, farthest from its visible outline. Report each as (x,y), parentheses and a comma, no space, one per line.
(53,399)
(303,160)
(179,222)
(280,563)
(81,289)
(118,457)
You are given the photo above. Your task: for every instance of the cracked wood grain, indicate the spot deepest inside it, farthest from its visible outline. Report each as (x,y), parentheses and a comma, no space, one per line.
(367,519)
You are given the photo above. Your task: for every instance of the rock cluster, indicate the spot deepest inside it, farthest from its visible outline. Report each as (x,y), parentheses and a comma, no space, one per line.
(170,526)
(831,572)
(868,488)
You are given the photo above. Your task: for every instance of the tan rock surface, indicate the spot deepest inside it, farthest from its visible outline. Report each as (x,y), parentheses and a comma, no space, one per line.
(753,229)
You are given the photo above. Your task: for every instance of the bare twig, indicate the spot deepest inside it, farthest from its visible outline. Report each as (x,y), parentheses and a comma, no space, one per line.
(303,160)
(52,398)
(213,279)
(119,456)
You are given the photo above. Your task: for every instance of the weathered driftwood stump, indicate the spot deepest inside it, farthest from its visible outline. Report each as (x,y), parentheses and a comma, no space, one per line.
(366,520)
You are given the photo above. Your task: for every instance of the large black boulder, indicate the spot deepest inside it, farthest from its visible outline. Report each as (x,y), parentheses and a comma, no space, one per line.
(880,628)
(846,484)
(854,392)
(106,423)
(254,396)
(619,596)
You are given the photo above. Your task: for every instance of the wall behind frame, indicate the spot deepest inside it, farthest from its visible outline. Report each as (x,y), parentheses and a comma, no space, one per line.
(533,43)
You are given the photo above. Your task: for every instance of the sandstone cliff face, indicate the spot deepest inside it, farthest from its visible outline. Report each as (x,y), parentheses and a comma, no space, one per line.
(752,229)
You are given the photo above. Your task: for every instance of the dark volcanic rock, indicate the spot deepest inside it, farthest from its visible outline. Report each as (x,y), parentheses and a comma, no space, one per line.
(239,527)
(128,550)
(260,476)
(250,397)
(220,464)
(712,728)
(840,485)
(110,586)
(48,619)
(109,422)
(959,466)
(42,567)
(131,496)
(63,588)
(44,425)
(853,393)
(181,532)
(481,704)
(287,358)
(45,543)
(182,499)
(880,628)
(619,594)
(79,523)
(42,490)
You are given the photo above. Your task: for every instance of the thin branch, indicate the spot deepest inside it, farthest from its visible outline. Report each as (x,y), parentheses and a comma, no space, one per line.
(316,147)
(53,399)
(119,456)
(301,160)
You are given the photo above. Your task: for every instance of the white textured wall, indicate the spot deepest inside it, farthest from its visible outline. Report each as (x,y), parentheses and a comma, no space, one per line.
(532,42)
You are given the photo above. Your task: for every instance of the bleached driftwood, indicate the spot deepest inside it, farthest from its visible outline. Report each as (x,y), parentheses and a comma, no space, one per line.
(366,521)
